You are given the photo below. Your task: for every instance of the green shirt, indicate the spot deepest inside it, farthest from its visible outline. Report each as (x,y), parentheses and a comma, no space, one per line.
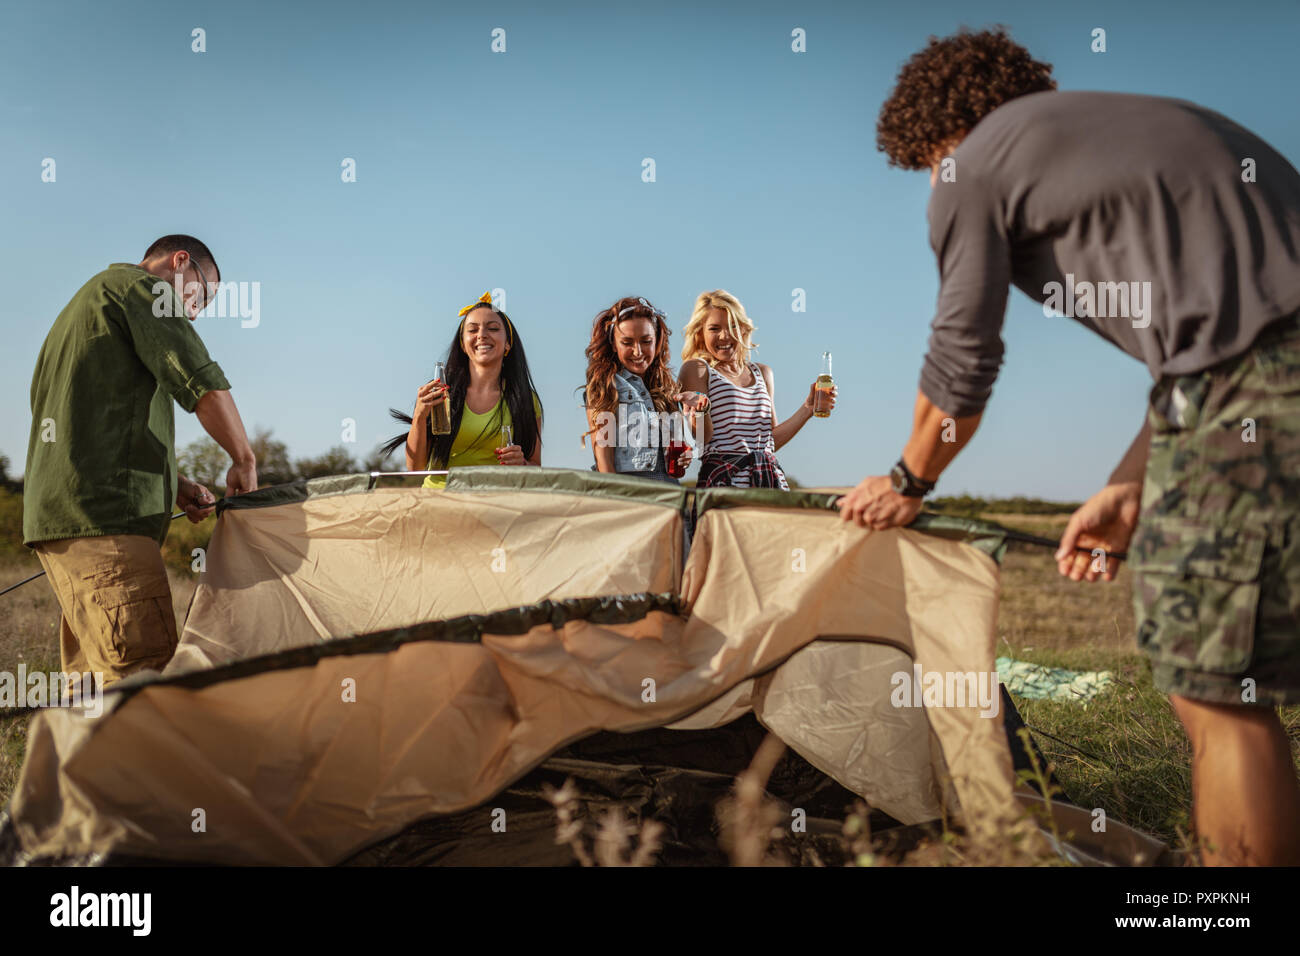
(477,439)
(100,459)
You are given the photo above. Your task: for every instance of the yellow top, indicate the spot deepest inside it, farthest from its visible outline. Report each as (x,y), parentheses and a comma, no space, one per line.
(477,439)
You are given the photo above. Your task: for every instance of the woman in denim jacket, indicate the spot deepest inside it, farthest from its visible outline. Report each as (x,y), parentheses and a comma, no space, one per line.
(632,398)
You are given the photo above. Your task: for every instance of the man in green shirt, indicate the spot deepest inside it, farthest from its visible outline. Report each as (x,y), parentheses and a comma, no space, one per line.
(101,474)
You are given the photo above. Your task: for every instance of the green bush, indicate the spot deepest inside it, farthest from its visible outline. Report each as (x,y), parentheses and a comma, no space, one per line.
(183,538)
(11,523)
(968,506)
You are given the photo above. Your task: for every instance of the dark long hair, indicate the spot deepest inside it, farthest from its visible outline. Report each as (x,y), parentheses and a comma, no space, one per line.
(516,387)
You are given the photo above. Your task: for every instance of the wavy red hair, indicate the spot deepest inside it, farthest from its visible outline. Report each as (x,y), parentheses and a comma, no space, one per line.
(602,359)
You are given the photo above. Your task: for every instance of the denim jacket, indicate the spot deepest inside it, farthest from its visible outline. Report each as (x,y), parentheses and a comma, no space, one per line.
(635,408)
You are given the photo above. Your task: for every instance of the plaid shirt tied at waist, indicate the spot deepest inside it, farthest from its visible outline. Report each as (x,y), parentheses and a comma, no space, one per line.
(719,470)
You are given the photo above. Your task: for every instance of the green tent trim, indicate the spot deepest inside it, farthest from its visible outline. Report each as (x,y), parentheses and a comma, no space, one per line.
(984,535)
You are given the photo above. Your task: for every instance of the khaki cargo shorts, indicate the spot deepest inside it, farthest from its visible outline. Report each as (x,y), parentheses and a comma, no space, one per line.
(116,602)
(1216,554)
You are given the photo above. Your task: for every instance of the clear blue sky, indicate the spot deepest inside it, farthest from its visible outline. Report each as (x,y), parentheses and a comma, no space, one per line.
(522,171)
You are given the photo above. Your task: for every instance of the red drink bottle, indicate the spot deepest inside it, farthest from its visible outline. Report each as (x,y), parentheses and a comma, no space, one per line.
(673,458)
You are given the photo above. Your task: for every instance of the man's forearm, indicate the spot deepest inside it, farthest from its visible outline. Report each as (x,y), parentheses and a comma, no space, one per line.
(1133,466)
(936,439)
(220,418)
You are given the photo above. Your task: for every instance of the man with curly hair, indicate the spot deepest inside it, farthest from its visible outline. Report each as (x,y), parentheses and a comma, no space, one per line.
(1173,233)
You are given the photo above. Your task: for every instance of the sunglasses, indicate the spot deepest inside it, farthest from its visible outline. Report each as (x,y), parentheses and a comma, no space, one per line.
(206,298)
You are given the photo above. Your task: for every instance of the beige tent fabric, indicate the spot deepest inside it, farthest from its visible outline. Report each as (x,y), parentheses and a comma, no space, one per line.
(810,573)
(286,770)
(338,565)
(830,702)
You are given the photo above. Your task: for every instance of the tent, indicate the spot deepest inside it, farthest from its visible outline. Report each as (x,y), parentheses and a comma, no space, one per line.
(367,674)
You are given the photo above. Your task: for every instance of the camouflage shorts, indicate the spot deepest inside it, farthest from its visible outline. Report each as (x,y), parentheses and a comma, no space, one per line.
(1216,554)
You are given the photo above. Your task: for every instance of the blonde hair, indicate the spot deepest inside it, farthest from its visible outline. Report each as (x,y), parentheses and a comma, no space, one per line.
(738,323)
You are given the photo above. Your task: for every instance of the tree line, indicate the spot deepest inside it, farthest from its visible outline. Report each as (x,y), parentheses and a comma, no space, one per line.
(7,483)
(204,461)
(967,505)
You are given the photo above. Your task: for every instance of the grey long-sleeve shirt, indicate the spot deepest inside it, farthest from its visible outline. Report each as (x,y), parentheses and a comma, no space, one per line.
(1128,213)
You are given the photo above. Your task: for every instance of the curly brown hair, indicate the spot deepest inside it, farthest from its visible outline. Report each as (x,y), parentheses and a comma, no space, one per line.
(948,87)
(602,359)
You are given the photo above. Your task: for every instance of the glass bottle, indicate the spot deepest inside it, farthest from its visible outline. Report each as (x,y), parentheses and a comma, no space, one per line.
(440,418)
(822,394)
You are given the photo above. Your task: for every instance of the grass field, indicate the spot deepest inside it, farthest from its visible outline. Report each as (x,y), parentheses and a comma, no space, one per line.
(1124,751)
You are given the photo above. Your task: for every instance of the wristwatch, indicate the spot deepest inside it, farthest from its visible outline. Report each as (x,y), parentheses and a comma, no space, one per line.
(907,484)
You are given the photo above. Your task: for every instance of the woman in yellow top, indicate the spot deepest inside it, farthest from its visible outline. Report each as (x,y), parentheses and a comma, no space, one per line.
(489,386)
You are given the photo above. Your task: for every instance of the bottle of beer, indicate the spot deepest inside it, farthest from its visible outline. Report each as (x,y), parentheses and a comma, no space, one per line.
(822,396)
(440,419)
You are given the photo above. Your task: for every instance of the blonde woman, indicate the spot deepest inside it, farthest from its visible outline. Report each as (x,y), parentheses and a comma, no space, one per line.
(742,434)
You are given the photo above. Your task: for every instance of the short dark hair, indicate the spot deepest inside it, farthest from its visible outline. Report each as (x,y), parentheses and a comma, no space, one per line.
(168,245)
(948,87)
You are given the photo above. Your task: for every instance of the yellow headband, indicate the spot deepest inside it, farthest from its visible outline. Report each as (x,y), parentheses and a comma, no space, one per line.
(486,300)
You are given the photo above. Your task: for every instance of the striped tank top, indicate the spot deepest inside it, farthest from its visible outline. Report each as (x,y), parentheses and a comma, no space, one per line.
(741,417)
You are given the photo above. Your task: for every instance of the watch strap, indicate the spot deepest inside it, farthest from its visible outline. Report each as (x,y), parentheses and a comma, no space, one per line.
(915,487)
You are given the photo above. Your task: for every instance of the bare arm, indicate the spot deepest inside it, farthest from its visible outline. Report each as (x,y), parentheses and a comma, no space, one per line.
(604,453)
(1132,467)
(417,439)
(784,431)
(1107,520)
(417,443)
(219,417)
(936,438)
(694,377)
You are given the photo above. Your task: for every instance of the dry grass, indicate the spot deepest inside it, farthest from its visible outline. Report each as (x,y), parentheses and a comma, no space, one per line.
(749,820)
(754,831)
(613,843)
(1040,610)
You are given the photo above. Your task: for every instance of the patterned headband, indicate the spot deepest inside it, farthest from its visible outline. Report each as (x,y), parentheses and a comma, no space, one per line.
(635,306)
(638,304)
